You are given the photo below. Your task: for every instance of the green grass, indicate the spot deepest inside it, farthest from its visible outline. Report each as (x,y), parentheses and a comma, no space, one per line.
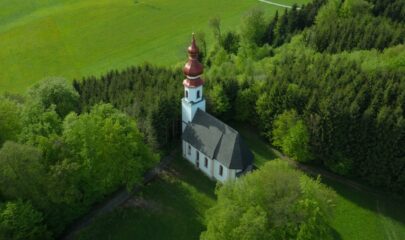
(363,216)
(76,38)
(179,200)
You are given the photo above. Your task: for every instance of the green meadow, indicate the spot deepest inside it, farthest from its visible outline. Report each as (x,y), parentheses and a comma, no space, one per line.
(76,38)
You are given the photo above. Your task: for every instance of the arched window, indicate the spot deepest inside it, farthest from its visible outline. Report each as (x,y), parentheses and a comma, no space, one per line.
(198,94)
(221,170)
(206,162)
(186,94)
(189,149)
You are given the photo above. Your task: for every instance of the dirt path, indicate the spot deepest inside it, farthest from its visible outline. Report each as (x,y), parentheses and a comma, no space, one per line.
(116,200)
(276,4)
(312,170)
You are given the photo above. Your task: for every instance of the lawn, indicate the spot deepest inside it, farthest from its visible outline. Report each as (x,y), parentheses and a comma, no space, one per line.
(172,207)
(76,38)
(363,216)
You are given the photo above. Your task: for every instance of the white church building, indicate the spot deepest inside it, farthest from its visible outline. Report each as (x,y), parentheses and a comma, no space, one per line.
(209,144)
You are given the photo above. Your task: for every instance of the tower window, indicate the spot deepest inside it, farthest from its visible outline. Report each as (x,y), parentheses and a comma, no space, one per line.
(198,94)
(206,162)
(221,170)
(189,149)
(186,94)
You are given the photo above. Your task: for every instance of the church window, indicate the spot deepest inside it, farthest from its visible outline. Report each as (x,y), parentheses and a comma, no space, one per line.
(189,149)
(198,94)
(198,155)
(206,162)
(186,94)
(221,170)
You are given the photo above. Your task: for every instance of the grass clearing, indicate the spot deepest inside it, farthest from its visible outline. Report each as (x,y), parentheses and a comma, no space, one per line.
(363,216)
(72,38)
(174,208)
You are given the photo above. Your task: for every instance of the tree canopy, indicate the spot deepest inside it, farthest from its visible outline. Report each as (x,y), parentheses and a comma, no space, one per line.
(274,202)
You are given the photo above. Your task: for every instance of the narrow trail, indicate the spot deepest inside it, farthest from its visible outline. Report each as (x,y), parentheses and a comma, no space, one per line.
(276,4)
(314,171)
(115,200)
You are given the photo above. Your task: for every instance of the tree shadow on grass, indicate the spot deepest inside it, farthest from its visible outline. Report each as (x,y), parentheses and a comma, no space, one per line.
(335,234)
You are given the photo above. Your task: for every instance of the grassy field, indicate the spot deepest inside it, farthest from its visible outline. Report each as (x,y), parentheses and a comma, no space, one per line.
(76,38)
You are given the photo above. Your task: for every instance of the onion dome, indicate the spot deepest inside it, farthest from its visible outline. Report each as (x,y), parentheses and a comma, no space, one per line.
(193,68)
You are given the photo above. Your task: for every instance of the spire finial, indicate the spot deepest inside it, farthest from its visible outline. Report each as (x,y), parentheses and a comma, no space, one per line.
(193,49)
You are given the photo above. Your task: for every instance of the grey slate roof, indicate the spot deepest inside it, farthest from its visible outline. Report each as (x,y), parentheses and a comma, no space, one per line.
(218,141)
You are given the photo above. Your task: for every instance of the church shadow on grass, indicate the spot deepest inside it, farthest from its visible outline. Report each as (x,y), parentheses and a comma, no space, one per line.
(257,144)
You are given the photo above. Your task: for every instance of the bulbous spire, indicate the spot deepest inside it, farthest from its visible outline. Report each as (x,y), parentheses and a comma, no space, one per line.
(193,67)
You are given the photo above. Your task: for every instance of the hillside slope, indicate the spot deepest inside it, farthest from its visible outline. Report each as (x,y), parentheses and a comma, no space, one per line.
(72,38)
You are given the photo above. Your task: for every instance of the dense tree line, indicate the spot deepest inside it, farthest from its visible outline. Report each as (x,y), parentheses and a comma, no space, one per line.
(351,26)
(275,202)
(55,164)
(282,28)
(149,94)
(393,9)
(350,105)
(355,116)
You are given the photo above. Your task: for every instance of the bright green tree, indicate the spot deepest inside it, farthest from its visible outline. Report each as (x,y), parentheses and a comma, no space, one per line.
(39,123)
(275,202)
(254,27)
(55,91)
(219,102)
(292,136)
(20,221)
(21,172)
(10,123)
(109,149)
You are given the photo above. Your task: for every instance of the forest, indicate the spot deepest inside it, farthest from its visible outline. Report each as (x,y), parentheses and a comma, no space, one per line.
(56,163)
(324,84)
(347,89)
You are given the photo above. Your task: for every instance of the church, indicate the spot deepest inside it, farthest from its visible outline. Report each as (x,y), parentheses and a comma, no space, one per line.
(210,145)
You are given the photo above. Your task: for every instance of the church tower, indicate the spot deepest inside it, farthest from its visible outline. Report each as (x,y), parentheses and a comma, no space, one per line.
(193,86)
